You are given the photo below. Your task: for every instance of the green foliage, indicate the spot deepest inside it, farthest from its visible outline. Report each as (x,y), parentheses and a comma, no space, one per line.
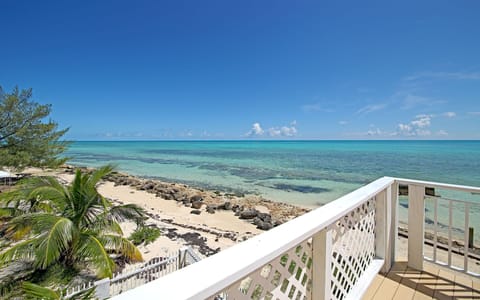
(26,139)
(144,234)
(66,228)
(34,291)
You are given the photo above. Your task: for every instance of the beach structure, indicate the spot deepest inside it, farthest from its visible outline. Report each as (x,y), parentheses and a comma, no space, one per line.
(337,251)
(5,177)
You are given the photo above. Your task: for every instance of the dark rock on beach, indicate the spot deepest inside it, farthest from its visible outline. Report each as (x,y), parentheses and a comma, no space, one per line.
(225,206)
(197,204)
(178,196)
(196,198)
(211,209)
(264,225)
(147,186)
(248,214)
(265,217)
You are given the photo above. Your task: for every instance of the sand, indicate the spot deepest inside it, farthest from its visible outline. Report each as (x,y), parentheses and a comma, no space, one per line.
(209,226)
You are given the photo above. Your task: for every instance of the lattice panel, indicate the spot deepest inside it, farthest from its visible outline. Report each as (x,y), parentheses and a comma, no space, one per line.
(286,277)
(353,247)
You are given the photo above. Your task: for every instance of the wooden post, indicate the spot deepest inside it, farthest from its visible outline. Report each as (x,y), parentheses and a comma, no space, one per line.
(102,288)
(384,240)
(322,265)
(394,227)
(416,226)
(471,235)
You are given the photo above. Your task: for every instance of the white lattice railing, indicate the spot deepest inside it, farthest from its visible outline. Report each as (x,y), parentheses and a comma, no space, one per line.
(332,252)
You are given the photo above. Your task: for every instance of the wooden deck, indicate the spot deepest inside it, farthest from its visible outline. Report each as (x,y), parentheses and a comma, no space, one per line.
(434,282)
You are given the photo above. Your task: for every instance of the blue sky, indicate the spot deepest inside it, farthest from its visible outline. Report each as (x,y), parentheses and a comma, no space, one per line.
(248,69)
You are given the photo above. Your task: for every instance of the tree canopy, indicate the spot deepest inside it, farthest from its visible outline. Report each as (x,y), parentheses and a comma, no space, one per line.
(26,137)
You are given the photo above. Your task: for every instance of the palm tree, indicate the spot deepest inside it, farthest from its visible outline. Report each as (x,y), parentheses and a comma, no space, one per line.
(71,227)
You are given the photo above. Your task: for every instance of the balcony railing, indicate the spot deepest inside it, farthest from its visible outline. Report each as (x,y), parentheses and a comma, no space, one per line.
(332,252)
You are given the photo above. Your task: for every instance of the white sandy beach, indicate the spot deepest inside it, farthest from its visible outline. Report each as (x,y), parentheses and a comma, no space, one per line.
(221,222)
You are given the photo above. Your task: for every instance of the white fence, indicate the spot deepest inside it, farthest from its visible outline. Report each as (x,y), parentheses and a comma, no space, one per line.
(332,252)
(135,276)
(450,240)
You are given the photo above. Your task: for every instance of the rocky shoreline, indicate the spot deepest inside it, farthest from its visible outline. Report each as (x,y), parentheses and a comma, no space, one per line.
(265,214)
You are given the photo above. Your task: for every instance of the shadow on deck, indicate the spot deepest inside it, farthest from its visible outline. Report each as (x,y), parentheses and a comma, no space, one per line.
(434,282)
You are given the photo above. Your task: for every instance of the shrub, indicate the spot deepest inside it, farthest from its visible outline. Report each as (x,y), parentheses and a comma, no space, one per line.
(145,234)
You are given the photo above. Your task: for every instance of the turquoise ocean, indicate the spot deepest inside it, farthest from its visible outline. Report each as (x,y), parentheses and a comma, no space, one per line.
(306,173)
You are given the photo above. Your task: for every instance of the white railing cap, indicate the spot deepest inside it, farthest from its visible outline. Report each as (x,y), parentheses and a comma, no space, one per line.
(462,188)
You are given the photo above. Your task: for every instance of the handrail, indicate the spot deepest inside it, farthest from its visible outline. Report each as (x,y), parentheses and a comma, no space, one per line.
(210,275)
(462,188)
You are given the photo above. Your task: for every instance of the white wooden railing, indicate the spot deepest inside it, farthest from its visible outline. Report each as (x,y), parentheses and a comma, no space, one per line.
(135,275)
(332,252)
(444,247)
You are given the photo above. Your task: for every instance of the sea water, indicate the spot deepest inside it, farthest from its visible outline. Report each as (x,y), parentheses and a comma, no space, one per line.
(305,173)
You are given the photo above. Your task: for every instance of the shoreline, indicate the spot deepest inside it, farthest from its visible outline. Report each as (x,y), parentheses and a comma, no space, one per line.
(207,220)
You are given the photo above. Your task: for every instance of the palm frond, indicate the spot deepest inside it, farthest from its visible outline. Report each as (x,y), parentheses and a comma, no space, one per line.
(131,212)
(92,215)
(75,190)
(9,212)
(35,291)
(120,245)
(100,173)
(92,251)
(38,222)
(33,190)
(54,242)
(103,225)
(54,194)
(24,250)
(12,196)
(90,209)
(21,233)
(111,226)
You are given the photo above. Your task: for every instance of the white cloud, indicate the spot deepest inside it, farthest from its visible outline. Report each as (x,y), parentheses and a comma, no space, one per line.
(256,130)
(343,123)
(375,132)
(371,108)
(449,114)
(444,75)
(422,121)
(418,127)
(404,127)
(282,131)
(474,113)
